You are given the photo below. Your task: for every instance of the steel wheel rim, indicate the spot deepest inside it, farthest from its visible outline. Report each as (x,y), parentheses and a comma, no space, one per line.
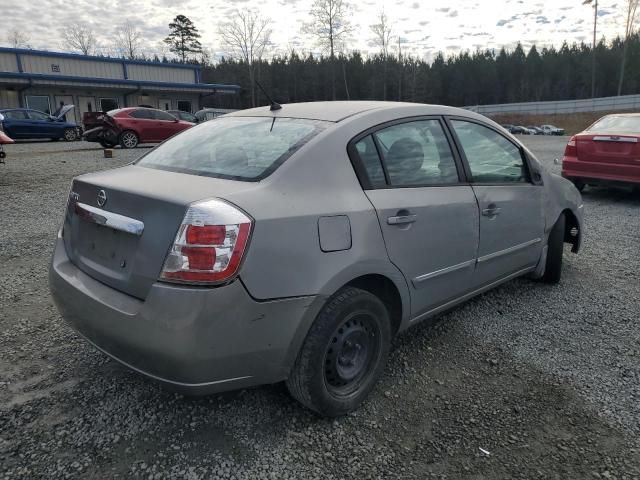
(129,140)
(351,354)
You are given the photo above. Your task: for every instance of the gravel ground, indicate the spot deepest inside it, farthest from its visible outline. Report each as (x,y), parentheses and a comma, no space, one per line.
(527,381)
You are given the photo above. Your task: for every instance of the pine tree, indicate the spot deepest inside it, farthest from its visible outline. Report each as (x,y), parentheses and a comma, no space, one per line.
(183,37)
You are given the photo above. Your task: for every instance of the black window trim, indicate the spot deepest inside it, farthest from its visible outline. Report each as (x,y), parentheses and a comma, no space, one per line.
(361,171)
(533,176)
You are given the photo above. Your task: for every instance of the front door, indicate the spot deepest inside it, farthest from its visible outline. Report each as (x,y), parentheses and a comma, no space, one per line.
(43,125)
(164,104)
(509,202)
(429,219)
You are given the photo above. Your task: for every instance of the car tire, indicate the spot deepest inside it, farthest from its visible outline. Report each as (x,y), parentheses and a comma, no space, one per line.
(555,248)
(70,134)
(106,144)
(343,355)
(129,139)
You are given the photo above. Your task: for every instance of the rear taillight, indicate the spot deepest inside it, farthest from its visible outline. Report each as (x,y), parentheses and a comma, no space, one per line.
(571,150)
(209,244)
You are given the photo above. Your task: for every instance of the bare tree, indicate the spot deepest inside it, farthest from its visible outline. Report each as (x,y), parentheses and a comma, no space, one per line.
(631,9)
(382,38)
(18,39)
(246,37)
(128,40)
(331,28)
(79,37)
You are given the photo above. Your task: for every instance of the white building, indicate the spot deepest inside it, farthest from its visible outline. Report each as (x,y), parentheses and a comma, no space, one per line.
(43,80)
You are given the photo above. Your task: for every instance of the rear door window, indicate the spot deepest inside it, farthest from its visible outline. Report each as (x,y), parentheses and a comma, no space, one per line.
(15,115)
(237,148)
(417,153)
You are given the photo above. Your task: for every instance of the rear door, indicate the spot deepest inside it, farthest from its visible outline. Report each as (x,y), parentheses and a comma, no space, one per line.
(16,123)
(509,199)
(428,216)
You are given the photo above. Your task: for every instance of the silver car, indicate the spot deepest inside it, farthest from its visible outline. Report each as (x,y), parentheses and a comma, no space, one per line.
(293,244)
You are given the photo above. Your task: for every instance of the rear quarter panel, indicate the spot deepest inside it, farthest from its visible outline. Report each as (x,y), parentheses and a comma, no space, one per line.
(284,257)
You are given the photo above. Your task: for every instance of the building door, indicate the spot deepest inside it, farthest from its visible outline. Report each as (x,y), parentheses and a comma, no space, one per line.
(86,104)
(60,101)
(164,104)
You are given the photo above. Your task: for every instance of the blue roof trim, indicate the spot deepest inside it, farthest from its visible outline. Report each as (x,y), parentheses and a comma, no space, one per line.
(132,83)
(77,56)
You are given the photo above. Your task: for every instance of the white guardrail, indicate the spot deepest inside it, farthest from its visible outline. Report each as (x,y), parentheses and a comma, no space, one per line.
(624,102)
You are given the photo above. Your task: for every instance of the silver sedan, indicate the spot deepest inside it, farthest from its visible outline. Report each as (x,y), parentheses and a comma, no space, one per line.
(291,244)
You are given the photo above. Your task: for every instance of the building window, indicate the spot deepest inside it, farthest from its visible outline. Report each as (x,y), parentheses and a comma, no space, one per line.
(184,106)
(39,102)
(107,104)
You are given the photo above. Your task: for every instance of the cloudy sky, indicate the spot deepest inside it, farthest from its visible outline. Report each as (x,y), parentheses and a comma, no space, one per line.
(423,27)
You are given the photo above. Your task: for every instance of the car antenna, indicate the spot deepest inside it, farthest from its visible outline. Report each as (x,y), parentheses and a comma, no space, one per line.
(274,105)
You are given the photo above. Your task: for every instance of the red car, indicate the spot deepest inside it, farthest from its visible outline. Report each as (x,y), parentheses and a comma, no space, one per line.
(130,126)
(606,152)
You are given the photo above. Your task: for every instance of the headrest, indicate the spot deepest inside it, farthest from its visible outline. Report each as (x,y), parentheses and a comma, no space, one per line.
(405,157)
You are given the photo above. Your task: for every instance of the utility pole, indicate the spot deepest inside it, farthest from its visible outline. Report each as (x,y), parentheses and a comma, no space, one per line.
(401,70)
(593,51)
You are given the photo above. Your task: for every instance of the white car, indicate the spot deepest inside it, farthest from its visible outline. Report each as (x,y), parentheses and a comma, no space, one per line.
(551,130)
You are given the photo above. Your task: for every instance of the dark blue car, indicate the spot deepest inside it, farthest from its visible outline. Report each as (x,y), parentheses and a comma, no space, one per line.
(24,123)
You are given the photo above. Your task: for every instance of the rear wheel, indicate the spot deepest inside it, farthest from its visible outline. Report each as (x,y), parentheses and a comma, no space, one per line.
(70,134)
(129,139)
(106,144)
(343,355)
(555,247)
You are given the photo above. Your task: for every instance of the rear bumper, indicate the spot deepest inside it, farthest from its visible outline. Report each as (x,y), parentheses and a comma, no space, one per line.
(572,168)
(196,340)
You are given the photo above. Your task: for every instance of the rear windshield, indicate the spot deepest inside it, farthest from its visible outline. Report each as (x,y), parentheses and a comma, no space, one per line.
(237,148)
(616,124)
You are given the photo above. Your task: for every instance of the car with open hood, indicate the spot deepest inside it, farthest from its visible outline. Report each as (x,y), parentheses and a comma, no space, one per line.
(292,243)
(24,123)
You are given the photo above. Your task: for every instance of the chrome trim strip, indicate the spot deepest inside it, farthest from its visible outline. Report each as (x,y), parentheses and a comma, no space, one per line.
(442,271)
(509,250)
(109,219)
(615,138)
(469,295)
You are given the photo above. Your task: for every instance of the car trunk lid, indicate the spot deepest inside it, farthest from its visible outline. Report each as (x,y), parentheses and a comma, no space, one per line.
(120,223)
(608,148)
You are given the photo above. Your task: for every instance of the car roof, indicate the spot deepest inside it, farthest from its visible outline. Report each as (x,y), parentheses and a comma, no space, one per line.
(340,110)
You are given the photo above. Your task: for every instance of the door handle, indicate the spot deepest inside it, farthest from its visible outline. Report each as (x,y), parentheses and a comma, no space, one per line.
(401,219)
(491,211)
